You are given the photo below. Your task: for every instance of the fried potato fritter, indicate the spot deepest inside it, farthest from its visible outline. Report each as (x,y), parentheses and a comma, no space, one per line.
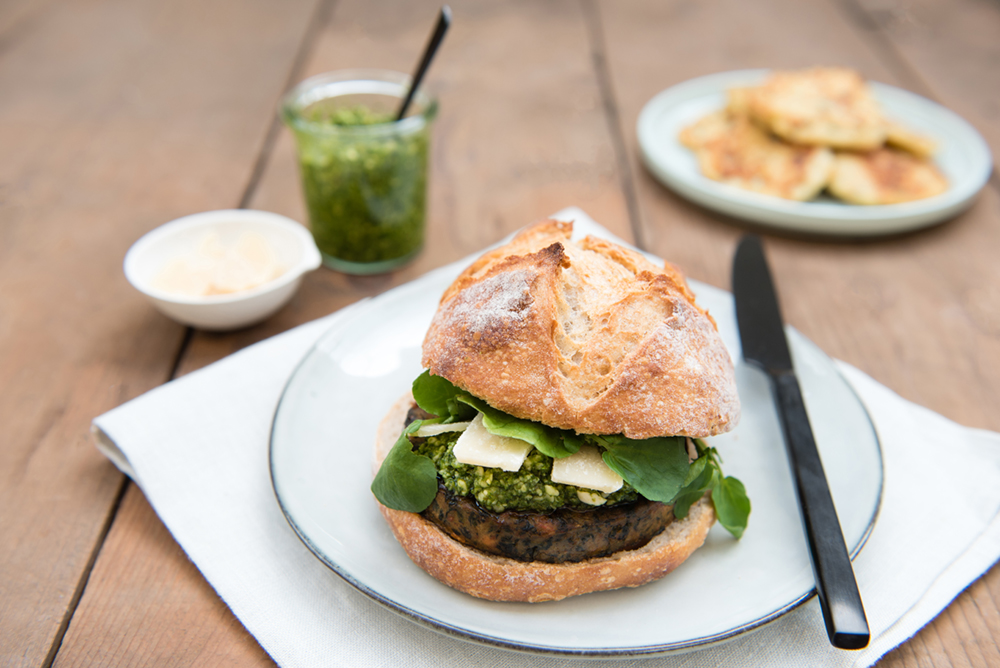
(884,176)
(779,139)
(823,106)
(900,136)
(733,150)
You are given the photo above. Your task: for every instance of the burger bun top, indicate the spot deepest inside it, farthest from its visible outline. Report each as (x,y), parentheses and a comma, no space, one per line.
(587,335)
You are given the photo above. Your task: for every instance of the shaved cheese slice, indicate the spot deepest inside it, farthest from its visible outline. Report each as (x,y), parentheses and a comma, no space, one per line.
(479,447)
(586,469)
(426,430)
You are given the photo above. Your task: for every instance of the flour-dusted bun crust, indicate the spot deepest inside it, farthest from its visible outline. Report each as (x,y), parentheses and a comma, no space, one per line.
(500,579)
(585,335)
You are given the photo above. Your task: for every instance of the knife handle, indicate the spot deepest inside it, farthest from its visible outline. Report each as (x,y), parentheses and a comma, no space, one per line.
(839,598)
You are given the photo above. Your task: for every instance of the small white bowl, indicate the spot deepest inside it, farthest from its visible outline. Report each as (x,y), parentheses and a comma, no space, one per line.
(291,243)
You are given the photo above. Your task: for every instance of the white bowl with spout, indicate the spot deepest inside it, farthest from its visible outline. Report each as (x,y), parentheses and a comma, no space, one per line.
(287,245)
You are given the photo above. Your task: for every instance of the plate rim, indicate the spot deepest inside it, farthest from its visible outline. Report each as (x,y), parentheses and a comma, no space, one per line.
(360,308)
(831,219)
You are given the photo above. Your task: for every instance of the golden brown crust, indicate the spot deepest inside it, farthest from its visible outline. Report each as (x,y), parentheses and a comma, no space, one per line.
(904,138)
(500,579)
(733,150)
(587,336)
(821,106)
(776,139)
(885,176)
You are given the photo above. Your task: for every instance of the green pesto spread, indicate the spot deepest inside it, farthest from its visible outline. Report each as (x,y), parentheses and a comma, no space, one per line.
(365,191)
(529,488)
(346,116)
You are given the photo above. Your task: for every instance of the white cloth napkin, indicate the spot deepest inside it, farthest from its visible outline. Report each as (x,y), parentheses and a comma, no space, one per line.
(198,448)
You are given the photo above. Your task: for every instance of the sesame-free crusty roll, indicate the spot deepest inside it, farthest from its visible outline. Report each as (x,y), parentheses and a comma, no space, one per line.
(585,335)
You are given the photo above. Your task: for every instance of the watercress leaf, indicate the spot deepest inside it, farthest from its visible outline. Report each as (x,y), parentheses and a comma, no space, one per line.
(684,501)
(694,487)
(604,440)
(697,467)
(571,441)
(406,481)
(732,506)
(548,440)
(699,479)
(655,467)
(437,395)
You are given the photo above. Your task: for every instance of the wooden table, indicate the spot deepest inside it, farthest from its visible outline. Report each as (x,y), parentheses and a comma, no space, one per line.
(118,116)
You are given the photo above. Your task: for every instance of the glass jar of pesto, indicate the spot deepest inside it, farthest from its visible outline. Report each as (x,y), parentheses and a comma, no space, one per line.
(364,173)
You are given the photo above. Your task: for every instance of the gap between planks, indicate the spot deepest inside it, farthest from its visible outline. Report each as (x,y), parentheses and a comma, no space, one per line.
(319,19)
(872,31)
(81,584)
(598,53)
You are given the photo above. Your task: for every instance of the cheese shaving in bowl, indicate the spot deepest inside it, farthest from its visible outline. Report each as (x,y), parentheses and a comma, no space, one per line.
(215,268)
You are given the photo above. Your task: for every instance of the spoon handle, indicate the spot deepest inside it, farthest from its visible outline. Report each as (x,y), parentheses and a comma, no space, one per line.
(443,22)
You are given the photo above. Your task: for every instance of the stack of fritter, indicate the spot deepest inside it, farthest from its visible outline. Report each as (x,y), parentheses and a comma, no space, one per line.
(803,131)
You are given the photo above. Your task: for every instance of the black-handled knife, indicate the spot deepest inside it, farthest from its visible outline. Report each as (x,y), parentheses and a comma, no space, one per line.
(762,334)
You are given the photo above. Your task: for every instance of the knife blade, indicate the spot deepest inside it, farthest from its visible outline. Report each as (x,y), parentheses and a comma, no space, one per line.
(762,335)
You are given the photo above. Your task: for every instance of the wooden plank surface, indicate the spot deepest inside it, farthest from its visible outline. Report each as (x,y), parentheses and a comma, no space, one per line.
(920,312)
(521,134)
(147,605)
(129,114)
(946,49)
(913,300)
(115,117)
(951,48)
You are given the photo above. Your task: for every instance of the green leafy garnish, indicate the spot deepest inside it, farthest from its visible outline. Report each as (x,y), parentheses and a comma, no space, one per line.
(406,481)
(732,506)
(439,396)
(659,469)
(697,483)
(572,441)
(548,440)
(655,467)
(729,497)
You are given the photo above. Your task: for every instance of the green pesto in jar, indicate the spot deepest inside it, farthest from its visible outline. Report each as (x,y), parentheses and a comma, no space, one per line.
(529,488)
(365,191)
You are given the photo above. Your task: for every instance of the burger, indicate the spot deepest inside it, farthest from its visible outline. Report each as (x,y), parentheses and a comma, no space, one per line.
(554,444)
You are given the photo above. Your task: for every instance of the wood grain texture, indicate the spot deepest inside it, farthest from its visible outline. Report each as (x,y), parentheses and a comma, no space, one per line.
(947,48)
(950,51)
(123,115)
(521,134)
(115,117)
(147,605)
(918,312)
(927,298)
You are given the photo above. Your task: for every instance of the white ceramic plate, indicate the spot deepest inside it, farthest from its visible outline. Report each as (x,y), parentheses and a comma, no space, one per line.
(963,157)
(321,466)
